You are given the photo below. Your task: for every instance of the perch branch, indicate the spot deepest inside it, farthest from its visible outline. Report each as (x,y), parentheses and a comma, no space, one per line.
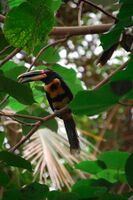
(110,75)
(35,128)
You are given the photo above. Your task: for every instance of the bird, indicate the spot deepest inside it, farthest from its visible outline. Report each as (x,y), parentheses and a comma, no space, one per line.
(58,95)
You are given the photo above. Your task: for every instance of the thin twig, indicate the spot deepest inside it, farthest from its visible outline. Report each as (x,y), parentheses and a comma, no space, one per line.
(4,100)
(35,128)
(11,55)
(5,48)
(107,123)
(110,75)
(21,116)
(101,9)
(44,48)
(22,122)
(80,12)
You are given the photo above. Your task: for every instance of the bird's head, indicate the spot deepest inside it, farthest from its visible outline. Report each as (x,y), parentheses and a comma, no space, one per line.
(39,75)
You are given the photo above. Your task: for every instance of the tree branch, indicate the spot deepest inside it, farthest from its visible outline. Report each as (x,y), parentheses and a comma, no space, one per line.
(80,30)
(10,115)
(35,128)
(75,30)
(110,75)
(101,9)
(44,48)
(11,55)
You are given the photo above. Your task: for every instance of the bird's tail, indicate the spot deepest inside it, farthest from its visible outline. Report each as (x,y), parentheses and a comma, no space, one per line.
(72,135)
(106,55)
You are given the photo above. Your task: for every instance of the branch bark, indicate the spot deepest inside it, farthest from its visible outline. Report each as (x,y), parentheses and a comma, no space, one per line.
(37,125)
(75,30)
(110,75)
(80,30)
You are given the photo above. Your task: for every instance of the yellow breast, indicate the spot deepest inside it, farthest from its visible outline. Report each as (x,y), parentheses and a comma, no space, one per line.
(54,88)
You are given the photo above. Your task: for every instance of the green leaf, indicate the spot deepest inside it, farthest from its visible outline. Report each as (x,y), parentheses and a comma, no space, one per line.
(15,3)
(111,175)
(129,170)
(93,102)
(4,179)
(11,159)
(106,39)
(13,194)
(88,166)
(85,190)
(56,4)
(14,72)
(5,48)
(114,159)
(15,105)
(28,25)
(62,195)
(34,191)
(109,196)
(20,92)
(124,20)
(53,195)
(121,87)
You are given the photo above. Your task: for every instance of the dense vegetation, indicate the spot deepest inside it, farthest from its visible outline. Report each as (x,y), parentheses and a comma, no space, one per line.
(67,37)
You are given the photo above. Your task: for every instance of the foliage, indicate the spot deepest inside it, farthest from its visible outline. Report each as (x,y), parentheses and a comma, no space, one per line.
(27,26)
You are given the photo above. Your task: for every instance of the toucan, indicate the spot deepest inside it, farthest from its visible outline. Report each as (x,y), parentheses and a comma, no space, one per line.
(58,95)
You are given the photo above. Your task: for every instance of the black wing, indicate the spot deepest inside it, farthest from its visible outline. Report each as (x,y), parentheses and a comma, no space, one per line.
(50,101)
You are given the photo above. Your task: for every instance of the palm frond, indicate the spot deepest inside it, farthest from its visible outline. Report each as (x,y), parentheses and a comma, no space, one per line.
(48,152)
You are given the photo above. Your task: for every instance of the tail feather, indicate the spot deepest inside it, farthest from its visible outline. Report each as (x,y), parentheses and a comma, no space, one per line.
(106,55)
(72,135)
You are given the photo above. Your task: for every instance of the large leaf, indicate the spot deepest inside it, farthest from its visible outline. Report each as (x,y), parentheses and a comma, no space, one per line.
(112,175)
(114,159)
(4,178)
(5,48)
(12,193)
(94,102)
(92,167)
(11,159)
(22,93)
(86,190)
(34,191)
(124,20)
(27,25)
(56,195)
(14,3)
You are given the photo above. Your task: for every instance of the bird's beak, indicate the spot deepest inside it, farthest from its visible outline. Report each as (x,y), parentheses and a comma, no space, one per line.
(37,75)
